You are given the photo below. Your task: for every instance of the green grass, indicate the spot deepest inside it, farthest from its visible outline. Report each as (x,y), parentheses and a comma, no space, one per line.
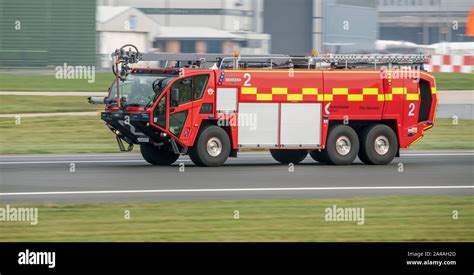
(446,135)
(35,82)
(88,134)
(67,134)
(43,82)
(403,218)
(13,104)
(454,81)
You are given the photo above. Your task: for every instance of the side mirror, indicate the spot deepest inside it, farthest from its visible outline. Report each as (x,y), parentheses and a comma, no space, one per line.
(174,97)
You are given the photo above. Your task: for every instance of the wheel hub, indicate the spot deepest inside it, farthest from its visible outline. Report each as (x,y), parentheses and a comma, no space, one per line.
(343,145)
(214,147)
(381,145)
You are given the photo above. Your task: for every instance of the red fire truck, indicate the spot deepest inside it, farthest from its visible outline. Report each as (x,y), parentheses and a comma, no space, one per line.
(334,107)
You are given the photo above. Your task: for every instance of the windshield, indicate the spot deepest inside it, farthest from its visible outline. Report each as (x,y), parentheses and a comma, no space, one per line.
(137,90)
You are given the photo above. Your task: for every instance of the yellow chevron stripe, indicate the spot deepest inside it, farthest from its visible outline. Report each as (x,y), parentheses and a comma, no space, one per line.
(399,91)
(388,97)
(412,97)
(328,97)
(279,91)
(433,90)
(340,91)
(296,97)
(264,97)
(380,97)
(370,91)
(310,91)
(355,97)
(249,90)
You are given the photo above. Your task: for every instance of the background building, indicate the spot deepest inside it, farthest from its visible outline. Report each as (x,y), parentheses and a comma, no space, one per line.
(330,26)
(201,26)
(424,21)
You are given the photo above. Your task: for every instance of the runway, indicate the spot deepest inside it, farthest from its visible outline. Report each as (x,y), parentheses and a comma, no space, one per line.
(126,177)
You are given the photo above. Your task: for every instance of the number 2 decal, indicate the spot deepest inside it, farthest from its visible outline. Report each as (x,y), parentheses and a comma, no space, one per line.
(412,109)
(247,79)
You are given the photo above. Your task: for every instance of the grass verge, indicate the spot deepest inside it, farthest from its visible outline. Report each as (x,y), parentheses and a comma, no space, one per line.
(67,134)
(48,82)
(13,104)
(400,218)
(454,81)
(88,134)
(446,135)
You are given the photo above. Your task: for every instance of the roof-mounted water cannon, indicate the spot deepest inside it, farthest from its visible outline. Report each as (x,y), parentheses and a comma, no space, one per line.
(124,57)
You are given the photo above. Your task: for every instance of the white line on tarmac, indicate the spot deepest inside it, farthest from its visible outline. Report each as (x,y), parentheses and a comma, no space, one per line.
(187,160)
(109,192)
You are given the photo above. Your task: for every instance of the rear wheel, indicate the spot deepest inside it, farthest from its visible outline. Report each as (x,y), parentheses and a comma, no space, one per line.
(157,155)
(289,156)
(378,145)
(342,145)
(212,147)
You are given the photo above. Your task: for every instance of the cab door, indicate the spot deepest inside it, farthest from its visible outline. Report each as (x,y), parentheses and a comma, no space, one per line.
(180,108)
(185,94)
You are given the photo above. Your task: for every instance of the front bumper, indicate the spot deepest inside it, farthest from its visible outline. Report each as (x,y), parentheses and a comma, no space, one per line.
(134,128)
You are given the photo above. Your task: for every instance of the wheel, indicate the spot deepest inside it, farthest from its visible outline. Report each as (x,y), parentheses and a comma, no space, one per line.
(157,155)
(212,147)
(194,158)
(378,145)
(342,145)
(289,156)
(319,156)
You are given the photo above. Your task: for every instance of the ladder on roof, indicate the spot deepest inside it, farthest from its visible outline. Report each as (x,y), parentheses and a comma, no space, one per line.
(272,61)
(348,60)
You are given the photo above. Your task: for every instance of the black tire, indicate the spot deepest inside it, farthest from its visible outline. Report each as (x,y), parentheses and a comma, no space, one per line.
(331,153)
(289,156)
(368,153)
(157,155)
(319,156)
(200,154)
(194,158)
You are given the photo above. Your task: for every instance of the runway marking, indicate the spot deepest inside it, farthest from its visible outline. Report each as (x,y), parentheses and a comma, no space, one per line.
(188,160)
(110,192)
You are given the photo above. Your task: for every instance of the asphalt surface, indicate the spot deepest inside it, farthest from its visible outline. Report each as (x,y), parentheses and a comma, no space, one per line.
(126,177)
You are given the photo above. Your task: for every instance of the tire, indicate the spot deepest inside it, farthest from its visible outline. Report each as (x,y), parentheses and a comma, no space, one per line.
(212,147)
(373,142)
(157,155)
(194,158)
(289,156)
(319,156)
(342,145)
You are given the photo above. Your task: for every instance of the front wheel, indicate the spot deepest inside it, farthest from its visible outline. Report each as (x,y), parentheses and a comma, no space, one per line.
(212,147)
(157,155)
(378,145)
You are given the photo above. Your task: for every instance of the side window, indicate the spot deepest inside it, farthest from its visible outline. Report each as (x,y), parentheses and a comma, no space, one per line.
(160,113)
(184,89)
(200,83)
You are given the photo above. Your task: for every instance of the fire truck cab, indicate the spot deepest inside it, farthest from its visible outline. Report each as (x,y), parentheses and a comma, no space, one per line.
(333,113)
